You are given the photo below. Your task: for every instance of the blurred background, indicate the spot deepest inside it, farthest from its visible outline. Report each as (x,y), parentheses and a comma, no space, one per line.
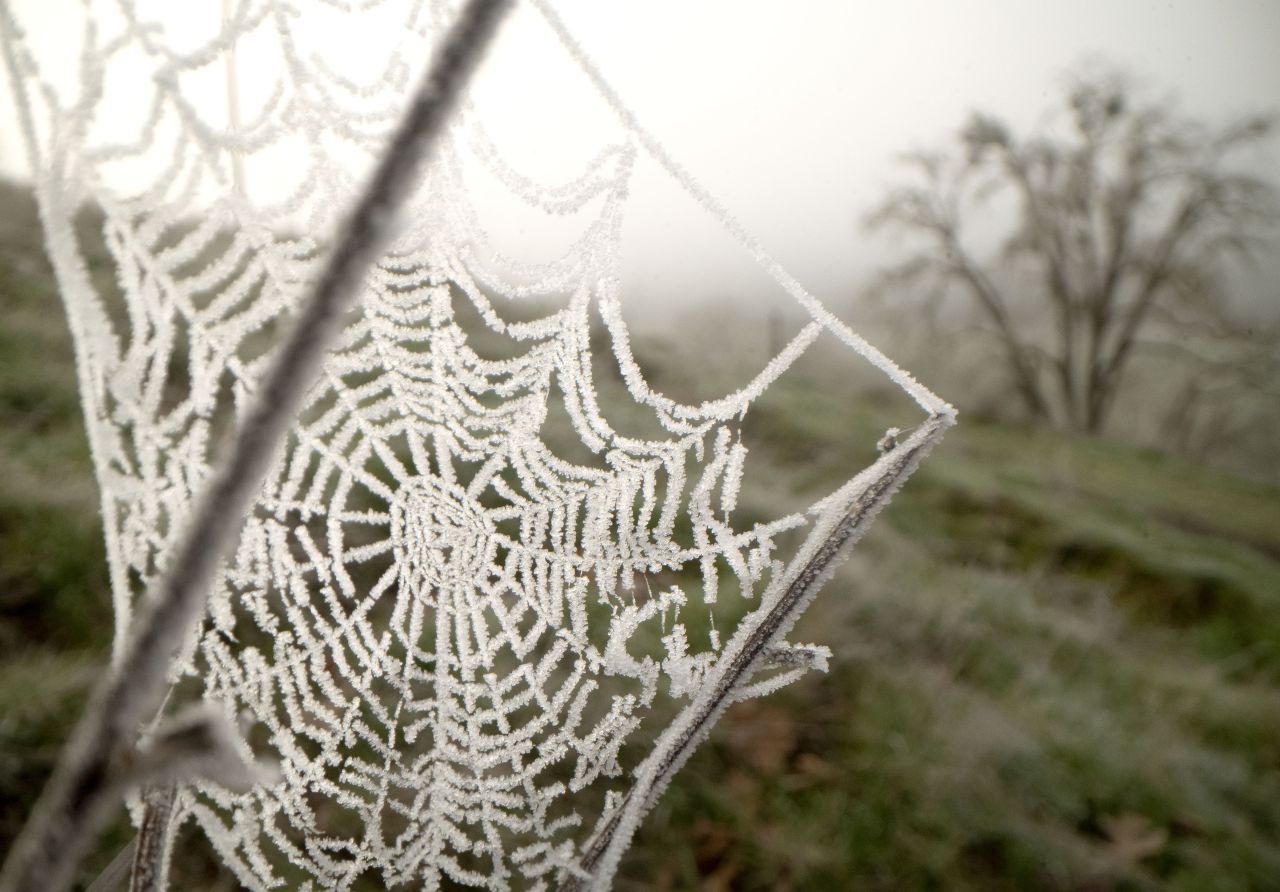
(1057,655)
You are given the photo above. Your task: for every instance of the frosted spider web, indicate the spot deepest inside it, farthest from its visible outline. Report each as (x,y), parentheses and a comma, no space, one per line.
(440,627)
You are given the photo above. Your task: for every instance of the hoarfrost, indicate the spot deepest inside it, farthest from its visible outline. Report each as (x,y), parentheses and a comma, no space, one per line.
(446,633)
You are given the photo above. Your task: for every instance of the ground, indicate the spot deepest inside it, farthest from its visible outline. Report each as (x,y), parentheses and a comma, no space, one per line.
(1056,659)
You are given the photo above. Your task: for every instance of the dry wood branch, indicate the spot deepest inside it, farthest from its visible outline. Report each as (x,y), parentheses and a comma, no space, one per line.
(750,649)
(1111,211)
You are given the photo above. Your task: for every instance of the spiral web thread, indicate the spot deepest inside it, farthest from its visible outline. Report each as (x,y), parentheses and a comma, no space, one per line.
(443,631)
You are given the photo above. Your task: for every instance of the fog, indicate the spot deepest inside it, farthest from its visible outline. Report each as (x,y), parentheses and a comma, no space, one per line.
(793,114)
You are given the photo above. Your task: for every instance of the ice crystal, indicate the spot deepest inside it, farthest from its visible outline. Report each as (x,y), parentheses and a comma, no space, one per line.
(444,629)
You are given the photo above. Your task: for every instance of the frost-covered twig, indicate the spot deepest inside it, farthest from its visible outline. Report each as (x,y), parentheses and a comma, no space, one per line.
(150,868)
(752,648)
(101,758)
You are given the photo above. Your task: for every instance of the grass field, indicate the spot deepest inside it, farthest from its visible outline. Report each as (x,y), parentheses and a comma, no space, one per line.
(1057,661)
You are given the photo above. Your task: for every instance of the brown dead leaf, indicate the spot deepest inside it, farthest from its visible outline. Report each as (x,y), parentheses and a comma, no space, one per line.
(665,879)
(814,767)
(763,736)
(721,879)
(1185,826)
(1132,837)
(712,840)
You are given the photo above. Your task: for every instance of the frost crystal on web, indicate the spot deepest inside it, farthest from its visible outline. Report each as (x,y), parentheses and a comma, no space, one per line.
(463,596)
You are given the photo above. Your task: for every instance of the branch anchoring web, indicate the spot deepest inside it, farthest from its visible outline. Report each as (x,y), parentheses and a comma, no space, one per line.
(463,598)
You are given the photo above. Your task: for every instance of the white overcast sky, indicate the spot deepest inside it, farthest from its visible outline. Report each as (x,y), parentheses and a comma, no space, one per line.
(792,113)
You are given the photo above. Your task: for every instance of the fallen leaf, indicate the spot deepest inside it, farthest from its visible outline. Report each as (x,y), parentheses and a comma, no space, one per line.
(762,736)
(1132,837)
(815,767)
(711,841)
(721,880)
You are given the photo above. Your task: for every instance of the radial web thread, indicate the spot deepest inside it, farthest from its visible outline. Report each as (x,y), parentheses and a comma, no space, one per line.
(463,595)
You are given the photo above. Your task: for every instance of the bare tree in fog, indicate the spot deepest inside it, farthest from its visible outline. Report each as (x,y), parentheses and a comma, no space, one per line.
(1125,216)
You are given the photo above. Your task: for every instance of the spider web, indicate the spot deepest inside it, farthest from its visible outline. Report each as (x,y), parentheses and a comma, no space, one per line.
(464,596)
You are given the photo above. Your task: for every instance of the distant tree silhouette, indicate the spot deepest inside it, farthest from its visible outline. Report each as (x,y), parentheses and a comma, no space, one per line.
(1126,214)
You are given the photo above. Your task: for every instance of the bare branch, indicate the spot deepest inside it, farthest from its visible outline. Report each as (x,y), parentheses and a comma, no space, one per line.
(751,646)
(1113,215)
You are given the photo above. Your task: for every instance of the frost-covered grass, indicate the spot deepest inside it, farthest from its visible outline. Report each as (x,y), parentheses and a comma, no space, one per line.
(1056,668)
(1056,660)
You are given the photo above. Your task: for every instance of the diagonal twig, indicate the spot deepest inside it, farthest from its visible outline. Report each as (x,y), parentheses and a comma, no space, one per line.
(90,777)
(748,650)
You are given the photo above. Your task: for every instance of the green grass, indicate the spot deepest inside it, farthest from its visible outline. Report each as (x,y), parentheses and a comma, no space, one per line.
(1055,668)
(1056,659)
